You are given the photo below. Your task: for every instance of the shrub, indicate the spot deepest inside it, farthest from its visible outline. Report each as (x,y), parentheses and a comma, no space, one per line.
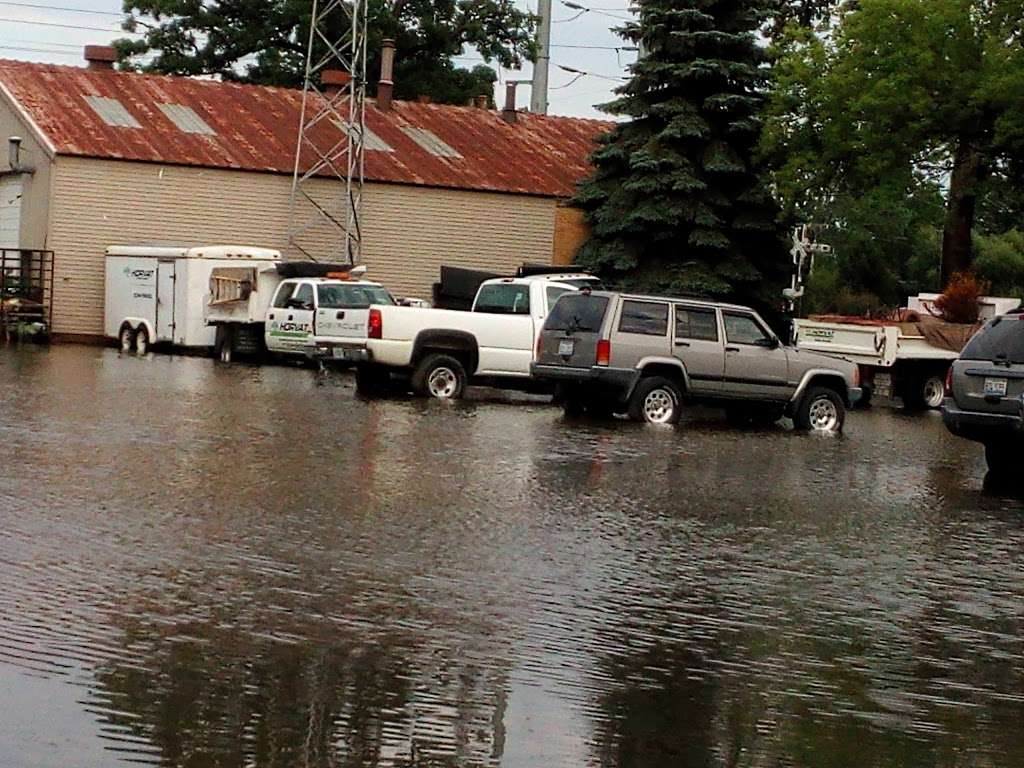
(959,302)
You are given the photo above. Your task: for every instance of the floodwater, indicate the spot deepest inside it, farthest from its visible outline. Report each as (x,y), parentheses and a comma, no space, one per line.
(235,566)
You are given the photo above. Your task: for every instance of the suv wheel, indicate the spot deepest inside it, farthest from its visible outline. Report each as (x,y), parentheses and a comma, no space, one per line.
(441,377)
(656,400)
(821,410)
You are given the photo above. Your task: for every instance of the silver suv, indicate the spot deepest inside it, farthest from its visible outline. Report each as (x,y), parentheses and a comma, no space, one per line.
(985,392)
(643,355)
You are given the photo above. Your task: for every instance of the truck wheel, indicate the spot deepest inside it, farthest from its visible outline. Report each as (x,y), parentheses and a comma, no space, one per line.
(821,410)
(656,400)
(126,338)
(142,340)
(933,391)
(371,380)
(440,376)
(225,343)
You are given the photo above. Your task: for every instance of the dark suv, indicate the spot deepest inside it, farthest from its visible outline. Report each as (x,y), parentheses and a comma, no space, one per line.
(985,392)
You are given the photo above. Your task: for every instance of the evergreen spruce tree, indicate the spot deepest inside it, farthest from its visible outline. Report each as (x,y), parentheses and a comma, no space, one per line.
(676,203)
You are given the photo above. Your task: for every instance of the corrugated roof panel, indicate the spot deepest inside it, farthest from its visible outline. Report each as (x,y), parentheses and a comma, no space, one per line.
(186,119)
(429,142)
(255,129)
(112,112)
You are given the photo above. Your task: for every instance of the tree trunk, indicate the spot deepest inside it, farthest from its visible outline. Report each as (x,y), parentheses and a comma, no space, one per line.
(968,167)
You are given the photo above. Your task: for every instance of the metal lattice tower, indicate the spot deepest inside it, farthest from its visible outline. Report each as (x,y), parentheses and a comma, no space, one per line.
(331,130)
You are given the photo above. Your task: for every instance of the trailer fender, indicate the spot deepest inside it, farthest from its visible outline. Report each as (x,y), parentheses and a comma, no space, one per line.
(140,322)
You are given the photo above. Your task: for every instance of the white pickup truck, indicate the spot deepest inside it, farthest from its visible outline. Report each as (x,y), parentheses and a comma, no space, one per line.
(319,313)
(443,350)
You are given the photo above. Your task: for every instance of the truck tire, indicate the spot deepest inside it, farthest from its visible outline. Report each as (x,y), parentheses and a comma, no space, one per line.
(141,341)
(821,410)
(372,380)
(225,343)
(924,391)
(126,338)
(441,377)
(656,400)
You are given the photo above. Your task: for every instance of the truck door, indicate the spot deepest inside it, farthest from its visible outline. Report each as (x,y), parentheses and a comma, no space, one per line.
(165,309)
(756,365)
(290,319)
(505,345)
(697,343)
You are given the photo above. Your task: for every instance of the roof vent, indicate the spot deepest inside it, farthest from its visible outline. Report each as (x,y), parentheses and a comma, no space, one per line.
(430,142)
(100,56)
(112,112)
(186,119)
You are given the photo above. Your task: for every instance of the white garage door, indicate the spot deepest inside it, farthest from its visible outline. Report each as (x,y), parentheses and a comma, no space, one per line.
(10,212)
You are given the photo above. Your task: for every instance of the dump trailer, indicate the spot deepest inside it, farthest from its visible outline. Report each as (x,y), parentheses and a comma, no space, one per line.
(906,355)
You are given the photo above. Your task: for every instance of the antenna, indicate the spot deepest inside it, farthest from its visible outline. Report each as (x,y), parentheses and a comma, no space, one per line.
(333,100)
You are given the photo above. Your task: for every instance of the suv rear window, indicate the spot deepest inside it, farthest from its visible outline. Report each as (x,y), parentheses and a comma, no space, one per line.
(647,317)
(577,312)
(1001,339)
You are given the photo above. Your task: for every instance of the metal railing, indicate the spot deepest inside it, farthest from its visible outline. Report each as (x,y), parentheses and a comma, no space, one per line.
(26,292)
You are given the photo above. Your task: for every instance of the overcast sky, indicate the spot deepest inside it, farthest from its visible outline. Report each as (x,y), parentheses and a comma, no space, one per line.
(52,31)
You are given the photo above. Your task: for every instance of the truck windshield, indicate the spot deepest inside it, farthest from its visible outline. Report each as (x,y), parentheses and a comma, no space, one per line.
(351,296)
(577,312)
(1002,339)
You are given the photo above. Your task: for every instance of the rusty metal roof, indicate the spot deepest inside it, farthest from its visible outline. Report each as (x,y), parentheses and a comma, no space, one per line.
(255,129)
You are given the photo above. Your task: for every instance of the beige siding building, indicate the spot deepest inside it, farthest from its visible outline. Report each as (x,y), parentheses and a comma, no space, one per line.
(494,200)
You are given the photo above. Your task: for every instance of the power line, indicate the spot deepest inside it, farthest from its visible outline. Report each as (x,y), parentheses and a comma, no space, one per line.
(40,6)
(67,26)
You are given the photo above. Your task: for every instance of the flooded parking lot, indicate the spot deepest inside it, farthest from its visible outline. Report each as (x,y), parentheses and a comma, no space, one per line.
(223,566)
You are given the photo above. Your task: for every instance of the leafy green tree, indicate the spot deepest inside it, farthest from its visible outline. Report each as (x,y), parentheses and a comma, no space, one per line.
(913,98)
(676,202)
(264,41)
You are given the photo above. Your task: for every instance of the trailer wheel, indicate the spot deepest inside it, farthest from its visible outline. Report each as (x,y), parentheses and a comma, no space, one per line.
(142,340)
(126,338)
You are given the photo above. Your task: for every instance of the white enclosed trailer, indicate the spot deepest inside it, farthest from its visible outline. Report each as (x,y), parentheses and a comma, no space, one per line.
(158,294)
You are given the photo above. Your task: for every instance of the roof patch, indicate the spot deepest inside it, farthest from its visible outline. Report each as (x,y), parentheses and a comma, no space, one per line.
(112,112)
(429,142)
(186,119)
(371,141)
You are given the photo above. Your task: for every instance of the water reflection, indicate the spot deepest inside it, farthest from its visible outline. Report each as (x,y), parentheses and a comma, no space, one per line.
(251,566)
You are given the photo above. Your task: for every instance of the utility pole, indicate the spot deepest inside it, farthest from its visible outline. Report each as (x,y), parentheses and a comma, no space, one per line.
(331,130)
(539,91)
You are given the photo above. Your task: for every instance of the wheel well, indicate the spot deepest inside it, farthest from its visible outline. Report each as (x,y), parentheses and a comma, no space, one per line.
(834,382)
(461,346)
(671,372)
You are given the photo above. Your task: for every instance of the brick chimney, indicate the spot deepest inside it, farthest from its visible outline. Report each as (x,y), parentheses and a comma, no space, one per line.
(508,112)
(386,86)
(334,81)
(100,56)
(481,101)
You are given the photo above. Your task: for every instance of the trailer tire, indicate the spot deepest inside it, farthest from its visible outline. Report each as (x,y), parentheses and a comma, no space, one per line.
(126,338)
(821,410)
(441,377)
(141,341)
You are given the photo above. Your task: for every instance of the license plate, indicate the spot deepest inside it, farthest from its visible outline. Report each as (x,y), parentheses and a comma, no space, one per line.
(343,353)
(995,387)
(565,348)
